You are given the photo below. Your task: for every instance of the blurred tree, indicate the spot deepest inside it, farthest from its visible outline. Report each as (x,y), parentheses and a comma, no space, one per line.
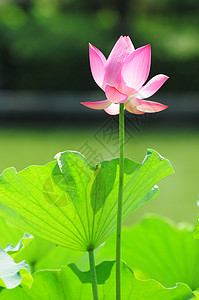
(44,43)
(25,5)
(6,67)
(122,8)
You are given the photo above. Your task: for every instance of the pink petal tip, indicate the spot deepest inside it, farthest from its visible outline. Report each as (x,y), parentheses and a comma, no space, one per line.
(97,105)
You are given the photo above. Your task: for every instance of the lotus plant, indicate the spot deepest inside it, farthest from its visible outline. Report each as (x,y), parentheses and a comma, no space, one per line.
(77,205)
(122,77)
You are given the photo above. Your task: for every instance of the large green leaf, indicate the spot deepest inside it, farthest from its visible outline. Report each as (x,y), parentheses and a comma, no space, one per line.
(9,234)
(71,283)
(74,204)
(13,274)
(14,250)
(29,251)
(49,255)
(196,295)
(158,249)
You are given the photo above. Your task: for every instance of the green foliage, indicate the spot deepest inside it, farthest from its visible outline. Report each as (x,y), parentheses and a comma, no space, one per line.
(49,255)
(41,38)
(13,274)
(196,294)
(12,16)
(196,231)
(158,249)
(14,250)
(71,283)
(74,204)
(9,234)
(182,44)
(70,188)
(154,248)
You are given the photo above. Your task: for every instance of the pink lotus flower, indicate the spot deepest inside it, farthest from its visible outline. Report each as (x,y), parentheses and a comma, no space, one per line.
(122,76)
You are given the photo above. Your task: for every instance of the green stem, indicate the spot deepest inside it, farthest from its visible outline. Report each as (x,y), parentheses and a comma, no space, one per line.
(93,274)
(120,198)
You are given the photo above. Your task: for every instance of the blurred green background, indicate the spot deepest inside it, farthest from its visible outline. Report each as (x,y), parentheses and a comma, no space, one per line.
(43,43)
(44,47)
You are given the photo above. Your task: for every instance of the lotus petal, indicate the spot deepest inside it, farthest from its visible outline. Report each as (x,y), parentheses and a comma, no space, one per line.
(97,104)
(153,85)
(97,64)
(114,95)
(147,106)
(122,49)
(132,109)
(135,70)
(113,109)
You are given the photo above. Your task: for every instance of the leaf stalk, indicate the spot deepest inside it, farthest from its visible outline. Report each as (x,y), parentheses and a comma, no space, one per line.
(93,274)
